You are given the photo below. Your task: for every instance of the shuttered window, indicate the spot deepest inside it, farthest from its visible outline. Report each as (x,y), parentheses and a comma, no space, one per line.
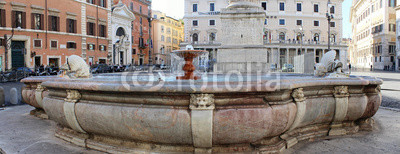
(18,19)
(91,29)
(54,23)
(102,31)
(2,18)
(37,21)
(71,26)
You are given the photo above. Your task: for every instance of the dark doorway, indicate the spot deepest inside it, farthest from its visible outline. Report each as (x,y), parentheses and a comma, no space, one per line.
(17,54)
(38,61)
(53,62)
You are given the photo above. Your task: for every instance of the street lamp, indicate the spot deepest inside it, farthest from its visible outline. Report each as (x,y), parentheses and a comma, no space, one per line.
(7,46)
(329,16)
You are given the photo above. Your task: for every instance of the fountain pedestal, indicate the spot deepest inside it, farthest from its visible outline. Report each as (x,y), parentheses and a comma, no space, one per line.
(189,68)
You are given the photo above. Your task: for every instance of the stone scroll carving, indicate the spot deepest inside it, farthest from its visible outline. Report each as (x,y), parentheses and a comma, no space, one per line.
(341,91)
(72,98)
(202,101)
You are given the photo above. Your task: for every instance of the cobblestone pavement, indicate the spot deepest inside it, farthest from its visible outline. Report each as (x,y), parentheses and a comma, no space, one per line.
(23,133)
(390,87)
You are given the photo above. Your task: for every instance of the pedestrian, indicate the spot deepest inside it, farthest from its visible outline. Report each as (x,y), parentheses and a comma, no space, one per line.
(371,68)
(349,68)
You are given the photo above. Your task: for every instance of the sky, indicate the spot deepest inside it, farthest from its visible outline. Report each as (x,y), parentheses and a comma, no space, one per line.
(175,9)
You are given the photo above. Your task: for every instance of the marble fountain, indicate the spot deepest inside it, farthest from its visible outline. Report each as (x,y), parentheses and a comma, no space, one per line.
(251,113)
(208,113)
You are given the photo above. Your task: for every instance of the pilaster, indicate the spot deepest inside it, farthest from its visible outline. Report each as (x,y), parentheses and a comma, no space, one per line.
(202,107)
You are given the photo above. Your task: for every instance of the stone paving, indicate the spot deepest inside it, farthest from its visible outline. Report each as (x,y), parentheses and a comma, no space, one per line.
(390,87)
(23,133)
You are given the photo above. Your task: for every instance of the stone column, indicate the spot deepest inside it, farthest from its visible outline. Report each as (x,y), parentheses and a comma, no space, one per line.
(287,56)
(341,94)
(73,97)
(202,107)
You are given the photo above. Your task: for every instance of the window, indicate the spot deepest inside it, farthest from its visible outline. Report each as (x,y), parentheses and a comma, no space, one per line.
(333,24)
(195,37)
(316,8)
(194,7)
(212,37)
(266,22)
(141,20)
(332,9)
(316,37)
(54,23)
(264,5)
(299,22)
(91,1)
(281,21)
(37,21)
(102,31)
(212,7)
(18,19)
(392,3)
(299,8)
(316,23)
(91,46)
(195,23)
(282,36)
(133,51)
(102,3)
(90,29)
(392,49)
(71,26)
(162,38)
(53,44)
(131,6)
(71,45)
(140,9)
(333,38)
(2,18)
(212,22)
(281,6)
(392,27)
(162,29)
(37,43)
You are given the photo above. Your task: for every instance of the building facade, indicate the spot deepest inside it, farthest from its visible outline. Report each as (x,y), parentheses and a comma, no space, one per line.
(374,34)
(398,36)
(121,25)
(141,30)
(35,33)
(167,36)
(291,28)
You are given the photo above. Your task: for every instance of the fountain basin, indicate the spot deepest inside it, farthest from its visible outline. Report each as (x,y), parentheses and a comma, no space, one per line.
(109,113)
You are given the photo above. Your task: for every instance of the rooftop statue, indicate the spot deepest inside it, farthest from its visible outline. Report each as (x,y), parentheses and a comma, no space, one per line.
(76,67)
(329,67)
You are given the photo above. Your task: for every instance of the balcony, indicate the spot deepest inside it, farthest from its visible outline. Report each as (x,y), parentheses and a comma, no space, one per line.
(304,43)
(201,43)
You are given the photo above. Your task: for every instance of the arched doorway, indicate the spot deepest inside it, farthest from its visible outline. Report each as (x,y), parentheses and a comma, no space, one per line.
(282,36)
(195,37)
(316,37)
